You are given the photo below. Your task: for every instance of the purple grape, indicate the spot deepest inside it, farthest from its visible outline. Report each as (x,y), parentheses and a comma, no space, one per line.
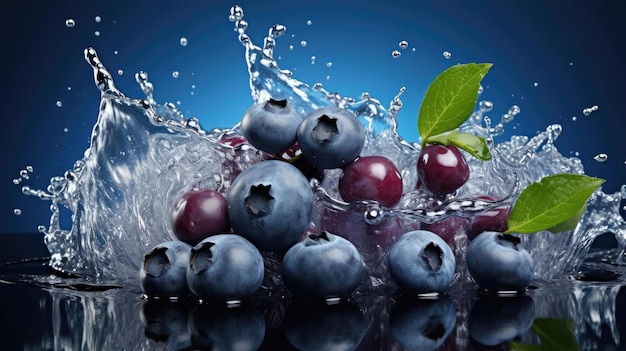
(371,178)
(442,169)
(199,214)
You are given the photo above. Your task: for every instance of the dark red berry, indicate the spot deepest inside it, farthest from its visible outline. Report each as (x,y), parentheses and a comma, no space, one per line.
(449,227)
(442,169)
(199,214)
(371,178)
(492,220)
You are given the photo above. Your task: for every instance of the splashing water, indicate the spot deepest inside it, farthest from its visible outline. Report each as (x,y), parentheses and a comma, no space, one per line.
(144,155)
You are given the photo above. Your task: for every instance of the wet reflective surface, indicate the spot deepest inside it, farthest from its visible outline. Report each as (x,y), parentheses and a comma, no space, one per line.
(43,313)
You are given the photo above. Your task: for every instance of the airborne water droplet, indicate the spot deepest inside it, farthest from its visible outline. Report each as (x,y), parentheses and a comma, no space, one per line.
(17,212)
(120,72)
(395,54)
(588,110)
(309,22)
(96,33)
(59,103)
(312,60)
(329,64)
(303,43)
(601,157)
(175,74)
(69,23)
(447,54)
(535,84)
(98,19)
(403,44)
(183,41)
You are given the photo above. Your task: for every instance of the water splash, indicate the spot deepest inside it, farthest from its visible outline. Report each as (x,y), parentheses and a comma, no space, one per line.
(143,155)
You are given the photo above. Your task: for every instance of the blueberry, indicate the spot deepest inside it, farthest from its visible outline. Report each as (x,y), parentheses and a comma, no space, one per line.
(371,178)
(315,325)
(271,126)
(497,262)
(198,214)
(226,328)
(494,320)
(164,268)
(442,169)
(420,261)
(270,204)
(331,137)
(422,324)
(224,266)
(322,265)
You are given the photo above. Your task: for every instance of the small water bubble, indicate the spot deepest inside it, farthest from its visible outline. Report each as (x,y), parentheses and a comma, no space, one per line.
(329,64)
(193,86)
(303,43)
(115,52)
(576,153)
(447,55)
(309,22)
(327,77)
(175,74)
(120,72)
(571,63)
(312,60)
(183,41)
(291,47)
(277,30)
(574,118)
(403,44)
(480,89)
(17,211)
(69,23)
(96,33)
(514,110)
(601,157)
(65,130)
(17,181)
(395,54)
(69,88)
(535,84)
(98,19)
(589,110)
(24,174)
(59,103)
(413,49)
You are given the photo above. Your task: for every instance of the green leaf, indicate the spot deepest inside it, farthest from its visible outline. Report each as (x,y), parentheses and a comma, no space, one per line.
(450,99)
(550,202)
(555,335)
(475,145)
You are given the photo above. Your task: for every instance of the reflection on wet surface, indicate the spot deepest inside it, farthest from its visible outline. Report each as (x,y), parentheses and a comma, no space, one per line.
(41,313)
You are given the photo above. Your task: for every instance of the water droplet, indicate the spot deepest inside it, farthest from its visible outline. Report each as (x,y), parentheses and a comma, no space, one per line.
(327,77)
(236,13)
(309,22)
(601,157)
(589,110)
(574,118)
(535,84)
(312,60)
(241,26)
(183,41)
(329,64)
(59,103)
(395,54)
(24,174)
(291,47)
(65,130)
(413,49)
(576,153)
(17,211)
(485,105)
(571,63)
(96,33)
(98,19)
(17,181)
(115,52)
(403,44)
(175,74)
(303,43)
(69,23)
(120,72)
(277,30)
(193,86)
(69,88)
(447,55)
(480,89)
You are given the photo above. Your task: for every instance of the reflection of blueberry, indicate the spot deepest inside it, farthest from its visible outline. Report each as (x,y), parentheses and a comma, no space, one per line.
(224,266)
(226,328)
(331,137)
(317,326)
(271,126)
(164,269)
(270,204)
(495,319)
(421,261)
(322,265)
(422,324)
(166,321)
(497,262)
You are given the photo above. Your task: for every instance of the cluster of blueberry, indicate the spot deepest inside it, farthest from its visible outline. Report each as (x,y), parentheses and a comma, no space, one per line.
(269,207)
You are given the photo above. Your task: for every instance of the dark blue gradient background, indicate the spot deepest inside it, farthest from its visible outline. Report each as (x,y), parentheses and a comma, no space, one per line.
(527,41)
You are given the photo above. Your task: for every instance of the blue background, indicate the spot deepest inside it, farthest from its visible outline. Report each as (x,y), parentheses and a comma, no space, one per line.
(574,50)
